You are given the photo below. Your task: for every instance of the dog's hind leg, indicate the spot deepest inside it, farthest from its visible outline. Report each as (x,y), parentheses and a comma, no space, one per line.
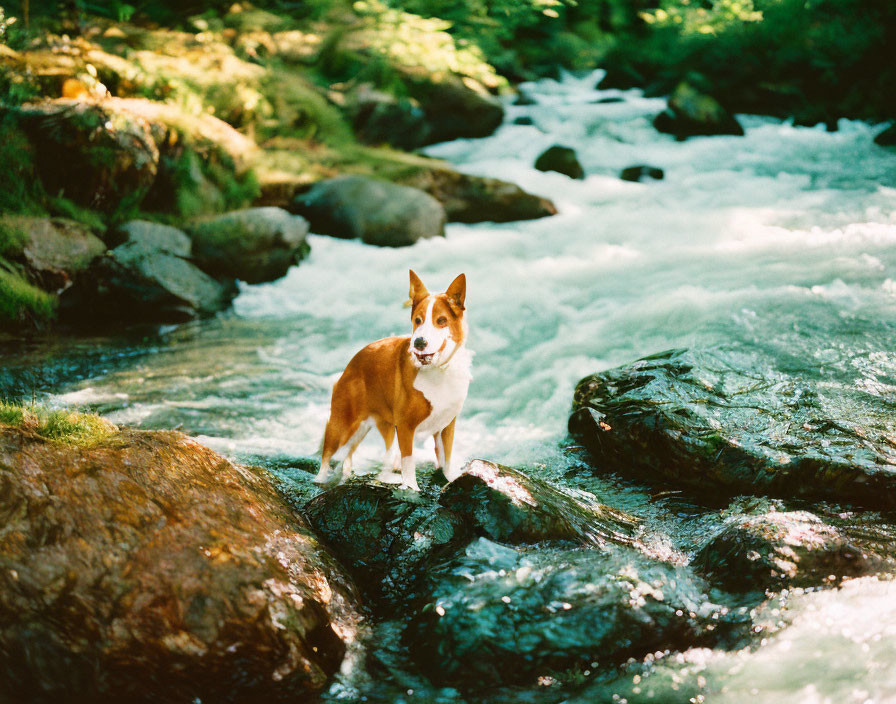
(391,464)
(335,438)
(353,443)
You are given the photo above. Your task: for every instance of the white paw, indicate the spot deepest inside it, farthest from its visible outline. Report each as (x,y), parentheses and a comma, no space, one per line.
(452,474)
(387,477)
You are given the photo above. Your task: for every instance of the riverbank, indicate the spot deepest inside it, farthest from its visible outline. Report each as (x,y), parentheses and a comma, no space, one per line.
(110,123)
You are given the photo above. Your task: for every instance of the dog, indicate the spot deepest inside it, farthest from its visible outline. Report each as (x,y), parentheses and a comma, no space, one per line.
(406,386)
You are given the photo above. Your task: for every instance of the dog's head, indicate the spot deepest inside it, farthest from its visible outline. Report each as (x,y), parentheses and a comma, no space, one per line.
(438,320)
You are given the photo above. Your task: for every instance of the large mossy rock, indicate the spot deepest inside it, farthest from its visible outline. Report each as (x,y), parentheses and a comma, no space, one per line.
(386,537)
(468,198)
(562,160)
(99,158)
(142,281)
(455,106)
(692,113)
(505,616)
(376,212)
(726,419)
(53,251)
(253,245)
(508,506)
(145,567)
(762,548)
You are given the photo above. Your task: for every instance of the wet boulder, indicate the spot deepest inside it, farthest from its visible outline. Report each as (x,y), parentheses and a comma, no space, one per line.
(468,198)
(764,548)
(562,160)
(508,506)
(142,566)
(641,173)
(692,113)
(505,616)
(382,118)
(456,107)
(376,212)
(253,245)
(387,538)
(726,419)
(53,251)
(98,157)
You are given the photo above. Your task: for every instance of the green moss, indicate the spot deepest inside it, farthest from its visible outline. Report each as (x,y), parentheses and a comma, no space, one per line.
(12,239)
(61,425)
(22,302)
(20,189)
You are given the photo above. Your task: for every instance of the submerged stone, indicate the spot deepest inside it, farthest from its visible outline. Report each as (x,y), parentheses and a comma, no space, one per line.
(726,419)
(504,616)
(562,160)
(509,506)
(144,567)
(773,549)
(641,172)
(692,113)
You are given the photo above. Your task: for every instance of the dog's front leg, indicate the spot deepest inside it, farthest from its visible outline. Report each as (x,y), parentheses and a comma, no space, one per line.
(406,445)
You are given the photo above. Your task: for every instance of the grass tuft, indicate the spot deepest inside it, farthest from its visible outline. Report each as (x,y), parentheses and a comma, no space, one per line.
(60,425)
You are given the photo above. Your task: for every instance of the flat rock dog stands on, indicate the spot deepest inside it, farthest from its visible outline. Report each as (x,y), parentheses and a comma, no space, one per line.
(410,386)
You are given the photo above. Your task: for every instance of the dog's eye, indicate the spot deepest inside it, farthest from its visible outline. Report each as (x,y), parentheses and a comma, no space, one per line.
(418,320)
(442,320)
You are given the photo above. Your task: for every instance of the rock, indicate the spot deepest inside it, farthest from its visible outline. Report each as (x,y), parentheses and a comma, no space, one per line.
(387,538)
(97,157)
(610,100)
(562,160)
(471,199)
(691,419)
(145,567)
(52,251)
(136,282)
(509,506)
(456,107)
(504,616)
(379,118)
(154,236)
(887,138)
(641,172)
(254,245)
(523,120)
(769,549)
(692,113)
(377,212)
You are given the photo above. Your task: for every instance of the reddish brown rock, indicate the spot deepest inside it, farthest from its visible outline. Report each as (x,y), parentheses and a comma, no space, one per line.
(148,568)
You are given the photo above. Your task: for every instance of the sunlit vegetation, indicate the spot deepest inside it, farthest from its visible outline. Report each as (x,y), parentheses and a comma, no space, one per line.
(57,424)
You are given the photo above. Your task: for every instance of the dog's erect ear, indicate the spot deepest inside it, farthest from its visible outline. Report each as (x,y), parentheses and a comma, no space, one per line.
(457,291)
(418,291)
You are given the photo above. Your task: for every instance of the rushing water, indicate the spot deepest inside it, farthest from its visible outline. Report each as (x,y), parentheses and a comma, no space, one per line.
(784,239)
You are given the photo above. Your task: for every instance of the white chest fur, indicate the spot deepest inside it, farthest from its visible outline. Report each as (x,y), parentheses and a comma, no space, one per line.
(446,389)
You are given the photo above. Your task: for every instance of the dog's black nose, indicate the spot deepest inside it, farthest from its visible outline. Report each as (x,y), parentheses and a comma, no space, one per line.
(420,343)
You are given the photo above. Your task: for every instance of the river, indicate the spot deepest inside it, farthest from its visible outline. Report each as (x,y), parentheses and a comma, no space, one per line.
(784,239)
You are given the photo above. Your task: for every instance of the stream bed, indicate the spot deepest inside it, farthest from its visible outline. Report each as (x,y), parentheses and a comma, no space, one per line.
(782,241)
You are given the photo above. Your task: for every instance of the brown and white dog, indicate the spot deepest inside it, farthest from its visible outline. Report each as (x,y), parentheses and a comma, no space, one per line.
(410,386)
